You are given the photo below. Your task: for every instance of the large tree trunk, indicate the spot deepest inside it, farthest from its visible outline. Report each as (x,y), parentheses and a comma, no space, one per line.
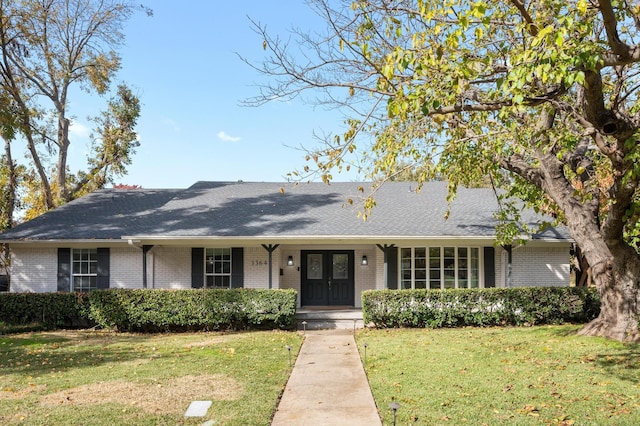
(616,279)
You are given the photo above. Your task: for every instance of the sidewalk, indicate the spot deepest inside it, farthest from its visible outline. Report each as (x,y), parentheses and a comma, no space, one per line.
(328,385)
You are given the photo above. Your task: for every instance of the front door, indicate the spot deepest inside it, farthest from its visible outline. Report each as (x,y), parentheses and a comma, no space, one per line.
(327,277)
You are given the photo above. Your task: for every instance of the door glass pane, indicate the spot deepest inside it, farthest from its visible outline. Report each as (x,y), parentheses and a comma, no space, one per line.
(340,266)
(314,266)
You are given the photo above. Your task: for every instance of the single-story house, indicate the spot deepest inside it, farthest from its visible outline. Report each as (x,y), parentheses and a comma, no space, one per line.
(307,237)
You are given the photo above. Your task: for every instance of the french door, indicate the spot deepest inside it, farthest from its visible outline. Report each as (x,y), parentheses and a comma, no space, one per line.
(327,277)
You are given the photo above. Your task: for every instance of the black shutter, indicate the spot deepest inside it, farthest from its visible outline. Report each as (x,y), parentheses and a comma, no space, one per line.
(103,268)
(237,267)
(197,267)
(392,267)
(489,267)
(64,269)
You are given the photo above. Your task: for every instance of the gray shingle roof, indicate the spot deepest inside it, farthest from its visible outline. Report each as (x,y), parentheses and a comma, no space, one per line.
(243,209)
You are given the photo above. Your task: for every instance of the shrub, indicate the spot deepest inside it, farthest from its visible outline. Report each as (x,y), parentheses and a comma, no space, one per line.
(199,309)
(46,310)
(151,310)
(480,307)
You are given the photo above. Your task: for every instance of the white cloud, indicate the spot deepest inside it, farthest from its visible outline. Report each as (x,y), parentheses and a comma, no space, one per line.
(79,130)
(227,138)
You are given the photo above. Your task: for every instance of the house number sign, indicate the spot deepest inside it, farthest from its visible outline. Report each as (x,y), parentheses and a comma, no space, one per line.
(259,263)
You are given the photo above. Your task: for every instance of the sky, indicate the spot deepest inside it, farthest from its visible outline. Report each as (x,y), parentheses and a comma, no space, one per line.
(183,64)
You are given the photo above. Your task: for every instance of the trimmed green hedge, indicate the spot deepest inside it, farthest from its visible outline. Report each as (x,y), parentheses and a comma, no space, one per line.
(47,310)
(201,309)
(152,310)
(480,307)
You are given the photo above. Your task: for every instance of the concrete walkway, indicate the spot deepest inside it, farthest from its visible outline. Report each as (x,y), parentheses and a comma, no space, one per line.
(328,385)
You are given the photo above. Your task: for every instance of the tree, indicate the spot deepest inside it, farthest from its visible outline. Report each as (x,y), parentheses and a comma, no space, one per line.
(546,92)
(47,47)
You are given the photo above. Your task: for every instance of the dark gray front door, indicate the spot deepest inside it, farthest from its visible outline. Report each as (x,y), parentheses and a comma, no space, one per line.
(327,277)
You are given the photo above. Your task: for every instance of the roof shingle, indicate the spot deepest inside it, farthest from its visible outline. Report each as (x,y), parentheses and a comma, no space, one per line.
(252,209)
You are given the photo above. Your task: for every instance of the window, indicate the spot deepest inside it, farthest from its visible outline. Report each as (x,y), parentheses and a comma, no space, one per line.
(440,267)
(217,268)
(84,272)
(413,267)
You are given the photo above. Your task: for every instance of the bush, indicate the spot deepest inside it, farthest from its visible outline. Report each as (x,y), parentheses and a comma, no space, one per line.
(480,307)
(151,310)
(45,310)
(200,309)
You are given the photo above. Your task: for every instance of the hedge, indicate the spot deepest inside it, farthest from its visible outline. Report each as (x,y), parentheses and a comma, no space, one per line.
(200,309)
(47,310)
(153,310)
(479,307)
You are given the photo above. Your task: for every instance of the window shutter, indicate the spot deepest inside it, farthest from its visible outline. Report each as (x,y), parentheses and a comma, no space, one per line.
(64,269)
(102,281)
(392,268)
(489,267)
(237,267)
(197,267)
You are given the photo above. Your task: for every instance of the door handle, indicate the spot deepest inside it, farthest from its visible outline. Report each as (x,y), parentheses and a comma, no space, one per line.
(329,283)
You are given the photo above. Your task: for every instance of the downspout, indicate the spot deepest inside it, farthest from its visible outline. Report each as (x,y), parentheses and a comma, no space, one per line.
(270,249)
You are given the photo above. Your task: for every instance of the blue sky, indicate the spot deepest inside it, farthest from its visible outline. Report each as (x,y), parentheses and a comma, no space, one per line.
(183,63)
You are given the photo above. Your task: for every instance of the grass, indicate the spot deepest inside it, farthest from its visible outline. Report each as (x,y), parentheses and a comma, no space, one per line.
(502,376)
(475,376)
(104,378)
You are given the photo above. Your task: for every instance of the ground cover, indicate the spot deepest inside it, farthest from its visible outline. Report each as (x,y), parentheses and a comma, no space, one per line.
(502,376)
(105,378)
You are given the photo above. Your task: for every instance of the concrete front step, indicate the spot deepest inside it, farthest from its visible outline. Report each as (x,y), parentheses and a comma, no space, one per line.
(327,319)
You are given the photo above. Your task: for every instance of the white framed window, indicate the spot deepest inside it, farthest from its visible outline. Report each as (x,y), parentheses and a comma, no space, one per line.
(440,267)
(217,268)
(84,269)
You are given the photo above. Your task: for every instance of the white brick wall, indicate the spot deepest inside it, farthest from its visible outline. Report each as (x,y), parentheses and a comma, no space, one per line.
(365,276)
(125,267)
(535,266)
(256,268)
(170,267)
(34,269)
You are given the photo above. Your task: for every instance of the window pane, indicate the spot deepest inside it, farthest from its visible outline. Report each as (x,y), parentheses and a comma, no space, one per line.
(449,270)
(314,266)
(474,268)
(217,267)
(341,266)
(84,269)
(463,267)
(405,268)
(434,268)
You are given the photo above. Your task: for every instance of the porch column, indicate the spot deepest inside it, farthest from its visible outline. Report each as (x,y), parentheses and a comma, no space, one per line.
(270,249)
(390,264)
(509,250)
(145,251)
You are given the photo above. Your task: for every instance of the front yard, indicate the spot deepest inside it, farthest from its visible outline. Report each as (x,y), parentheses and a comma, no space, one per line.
(104,378)
(502,376)
(475,376)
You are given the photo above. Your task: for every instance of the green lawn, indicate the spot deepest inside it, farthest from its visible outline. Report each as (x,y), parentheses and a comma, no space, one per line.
(104,378)
(509,376)
(493,376)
